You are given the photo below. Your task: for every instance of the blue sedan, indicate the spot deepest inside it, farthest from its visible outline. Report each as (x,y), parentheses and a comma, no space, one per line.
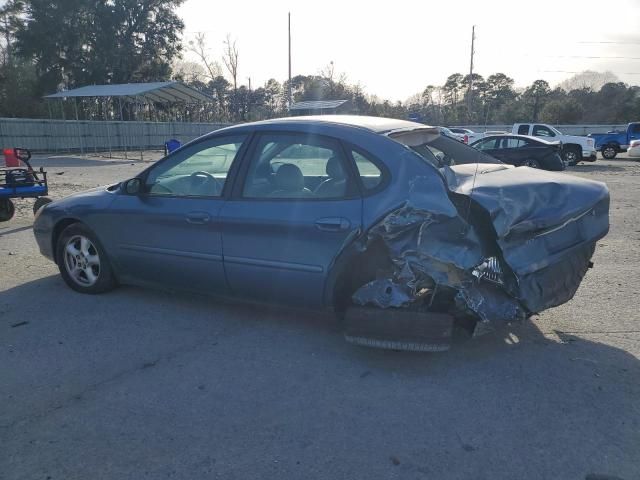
(340,212)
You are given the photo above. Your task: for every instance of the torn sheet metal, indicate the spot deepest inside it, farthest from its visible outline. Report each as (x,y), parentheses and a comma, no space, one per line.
(542,233)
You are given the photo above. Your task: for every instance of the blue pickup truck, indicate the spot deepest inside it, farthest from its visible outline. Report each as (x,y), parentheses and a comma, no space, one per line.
(612,143)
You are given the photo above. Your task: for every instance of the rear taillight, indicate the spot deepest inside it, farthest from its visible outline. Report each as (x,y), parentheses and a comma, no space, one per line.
(466,138)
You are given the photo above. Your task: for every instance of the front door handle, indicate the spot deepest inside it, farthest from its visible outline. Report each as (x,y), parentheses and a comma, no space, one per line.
(333,224)
(198,218)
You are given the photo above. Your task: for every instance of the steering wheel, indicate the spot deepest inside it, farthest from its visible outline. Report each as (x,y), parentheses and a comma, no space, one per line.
(201,178)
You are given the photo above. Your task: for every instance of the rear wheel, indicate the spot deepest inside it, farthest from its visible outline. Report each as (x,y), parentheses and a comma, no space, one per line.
(609,152)
(39,203)
(7,210)
(571,155)
(82,261)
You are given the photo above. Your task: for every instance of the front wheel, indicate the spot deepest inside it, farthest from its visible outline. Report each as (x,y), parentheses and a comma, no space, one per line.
(571,156)
(82,261)
(609,152)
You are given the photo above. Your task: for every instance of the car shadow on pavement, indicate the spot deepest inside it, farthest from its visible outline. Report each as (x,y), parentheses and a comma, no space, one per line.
(594,167)
(565,404)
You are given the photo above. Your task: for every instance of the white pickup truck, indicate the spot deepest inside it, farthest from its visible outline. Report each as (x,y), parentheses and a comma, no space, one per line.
(574,147)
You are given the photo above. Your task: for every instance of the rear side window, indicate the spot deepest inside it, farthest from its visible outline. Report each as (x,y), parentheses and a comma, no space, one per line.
(488,144)
(369,172)
(635,128)
(510,142)
(523,130)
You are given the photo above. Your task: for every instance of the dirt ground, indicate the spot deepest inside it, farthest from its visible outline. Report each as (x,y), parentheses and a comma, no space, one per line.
(140,384)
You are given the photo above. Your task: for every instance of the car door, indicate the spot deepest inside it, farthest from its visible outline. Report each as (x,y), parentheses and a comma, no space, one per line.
(542,131)
(287,220)
(491,146)
(169,233)
(634,132)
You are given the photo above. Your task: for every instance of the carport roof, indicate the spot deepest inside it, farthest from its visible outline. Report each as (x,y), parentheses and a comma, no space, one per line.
(153,92)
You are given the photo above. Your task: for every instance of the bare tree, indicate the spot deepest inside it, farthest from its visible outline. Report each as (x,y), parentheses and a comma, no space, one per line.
(189,71)
(588,80)
(198,47)
(230,59)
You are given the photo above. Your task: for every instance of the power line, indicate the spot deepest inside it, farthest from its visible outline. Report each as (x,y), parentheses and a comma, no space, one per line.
(590,57)
(582,71)
(609,43)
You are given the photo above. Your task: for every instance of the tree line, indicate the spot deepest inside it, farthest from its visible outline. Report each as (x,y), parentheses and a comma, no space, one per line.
(50,46)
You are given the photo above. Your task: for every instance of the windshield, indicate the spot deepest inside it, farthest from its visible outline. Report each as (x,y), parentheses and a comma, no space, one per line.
(555,130)
(440,150)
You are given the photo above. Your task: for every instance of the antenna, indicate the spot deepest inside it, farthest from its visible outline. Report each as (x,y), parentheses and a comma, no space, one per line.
(470,106)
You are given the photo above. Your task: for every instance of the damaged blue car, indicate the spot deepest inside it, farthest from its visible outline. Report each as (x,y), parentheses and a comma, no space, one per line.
(398,228)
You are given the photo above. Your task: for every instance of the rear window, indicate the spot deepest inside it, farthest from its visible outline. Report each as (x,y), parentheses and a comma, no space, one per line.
(446,151)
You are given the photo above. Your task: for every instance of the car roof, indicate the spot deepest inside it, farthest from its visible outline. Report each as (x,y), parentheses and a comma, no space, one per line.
(513,135)
(375,124)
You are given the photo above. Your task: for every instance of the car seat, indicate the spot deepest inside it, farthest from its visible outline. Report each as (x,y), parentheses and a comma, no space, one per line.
(290,182)
(335,185)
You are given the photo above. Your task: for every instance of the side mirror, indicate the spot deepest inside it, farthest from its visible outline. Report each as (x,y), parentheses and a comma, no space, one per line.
(133,186)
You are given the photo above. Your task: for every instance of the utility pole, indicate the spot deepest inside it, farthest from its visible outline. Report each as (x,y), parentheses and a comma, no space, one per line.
(249,99)
(469,93)
(290,96)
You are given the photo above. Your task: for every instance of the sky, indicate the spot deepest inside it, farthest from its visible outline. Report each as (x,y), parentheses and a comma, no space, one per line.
(394,49)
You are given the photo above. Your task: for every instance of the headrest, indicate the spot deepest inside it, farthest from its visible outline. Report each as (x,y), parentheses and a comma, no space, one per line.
(289,178)
(334,169)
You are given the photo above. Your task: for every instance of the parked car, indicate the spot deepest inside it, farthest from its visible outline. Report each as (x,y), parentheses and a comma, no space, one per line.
(521,150)
(634,149)
(575,148)
(611,143)
(450,133)
(467,135)
(369,216)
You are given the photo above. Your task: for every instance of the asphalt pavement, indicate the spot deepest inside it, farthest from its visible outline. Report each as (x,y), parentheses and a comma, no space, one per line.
(144,384)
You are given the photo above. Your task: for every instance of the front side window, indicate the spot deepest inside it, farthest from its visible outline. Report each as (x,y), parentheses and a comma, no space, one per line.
(198,170)
(542,131)
(298,166)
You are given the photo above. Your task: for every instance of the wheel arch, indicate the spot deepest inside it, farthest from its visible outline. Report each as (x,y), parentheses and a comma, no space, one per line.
(57,231)
(575,147)
(354,266)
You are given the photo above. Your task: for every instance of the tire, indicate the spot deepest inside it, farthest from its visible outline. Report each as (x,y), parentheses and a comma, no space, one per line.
(39,203)
(531,163)
(609,152)
(7,210)
(572,155)
(82,261)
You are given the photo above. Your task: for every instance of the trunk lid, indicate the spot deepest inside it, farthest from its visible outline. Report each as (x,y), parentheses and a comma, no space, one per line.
(546,224)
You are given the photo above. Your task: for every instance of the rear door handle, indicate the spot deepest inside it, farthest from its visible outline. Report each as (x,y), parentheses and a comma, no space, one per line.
(198,218)
(333,224)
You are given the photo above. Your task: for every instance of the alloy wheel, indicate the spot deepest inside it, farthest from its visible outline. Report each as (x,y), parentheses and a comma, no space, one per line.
(82,261)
